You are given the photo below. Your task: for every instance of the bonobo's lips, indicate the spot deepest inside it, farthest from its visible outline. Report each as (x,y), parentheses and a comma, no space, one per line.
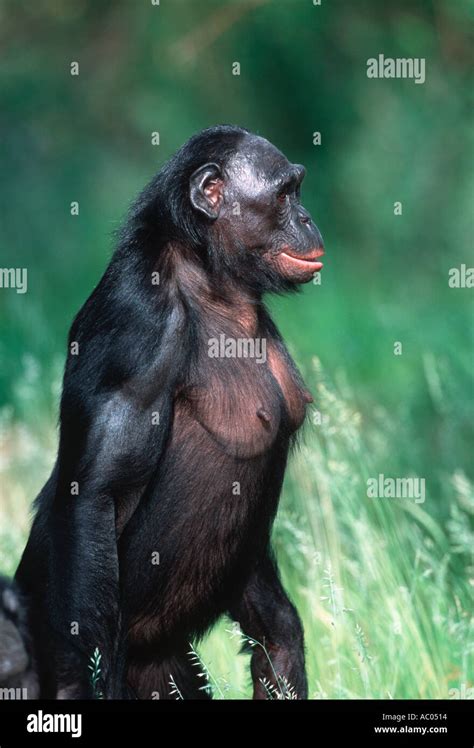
(305,263)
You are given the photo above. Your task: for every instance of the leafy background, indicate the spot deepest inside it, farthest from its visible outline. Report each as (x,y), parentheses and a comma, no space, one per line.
(384,586)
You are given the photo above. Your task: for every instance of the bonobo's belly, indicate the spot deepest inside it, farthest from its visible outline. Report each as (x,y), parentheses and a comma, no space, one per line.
(216,510)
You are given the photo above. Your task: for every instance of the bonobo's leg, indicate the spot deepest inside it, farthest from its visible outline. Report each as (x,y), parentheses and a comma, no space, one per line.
(152,677)
(265,614)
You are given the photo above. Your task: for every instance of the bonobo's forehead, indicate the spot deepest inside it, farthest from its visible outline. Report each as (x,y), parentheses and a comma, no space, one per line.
(257,164)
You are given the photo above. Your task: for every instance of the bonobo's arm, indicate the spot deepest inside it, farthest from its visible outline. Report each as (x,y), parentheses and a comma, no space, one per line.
(116,412)
(267,617)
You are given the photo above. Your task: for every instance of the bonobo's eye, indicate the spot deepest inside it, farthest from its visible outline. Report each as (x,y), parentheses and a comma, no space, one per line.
(286,189)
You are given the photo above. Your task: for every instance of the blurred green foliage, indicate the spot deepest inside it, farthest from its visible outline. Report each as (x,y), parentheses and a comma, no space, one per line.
(168,68)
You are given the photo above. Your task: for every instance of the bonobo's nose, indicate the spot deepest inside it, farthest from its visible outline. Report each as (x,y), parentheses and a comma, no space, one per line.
(318,239)
(313,235)
(304,216)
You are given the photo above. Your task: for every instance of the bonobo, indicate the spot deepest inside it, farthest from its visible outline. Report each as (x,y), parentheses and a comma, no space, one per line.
(156,518)
(17,671)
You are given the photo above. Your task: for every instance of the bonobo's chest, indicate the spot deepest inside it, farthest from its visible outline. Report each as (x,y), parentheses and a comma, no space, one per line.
(248,393)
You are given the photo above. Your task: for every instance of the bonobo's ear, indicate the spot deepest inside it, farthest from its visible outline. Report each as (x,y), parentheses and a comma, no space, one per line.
(205,190)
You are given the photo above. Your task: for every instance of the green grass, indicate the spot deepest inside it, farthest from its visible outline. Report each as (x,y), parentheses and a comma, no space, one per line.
(384,586)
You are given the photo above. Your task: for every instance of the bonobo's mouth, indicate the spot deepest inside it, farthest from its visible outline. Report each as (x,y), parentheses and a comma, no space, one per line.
(306,263)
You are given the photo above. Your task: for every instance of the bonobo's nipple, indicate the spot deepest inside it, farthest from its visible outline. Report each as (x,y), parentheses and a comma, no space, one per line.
(264,415)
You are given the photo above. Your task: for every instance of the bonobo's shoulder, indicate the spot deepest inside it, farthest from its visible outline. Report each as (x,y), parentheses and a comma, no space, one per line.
(123,334)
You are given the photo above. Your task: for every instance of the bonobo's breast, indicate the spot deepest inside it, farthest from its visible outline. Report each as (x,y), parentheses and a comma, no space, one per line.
(246,403)
(230,435)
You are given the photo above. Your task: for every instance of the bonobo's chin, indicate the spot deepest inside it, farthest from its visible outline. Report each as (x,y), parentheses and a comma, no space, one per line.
(296,267)
(270,271)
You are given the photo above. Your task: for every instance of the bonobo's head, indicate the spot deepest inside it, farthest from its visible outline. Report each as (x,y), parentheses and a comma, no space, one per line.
(235,199)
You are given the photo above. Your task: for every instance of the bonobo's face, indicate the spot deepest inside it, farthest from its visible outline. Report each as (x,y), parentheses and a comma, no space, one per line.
(258,216)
